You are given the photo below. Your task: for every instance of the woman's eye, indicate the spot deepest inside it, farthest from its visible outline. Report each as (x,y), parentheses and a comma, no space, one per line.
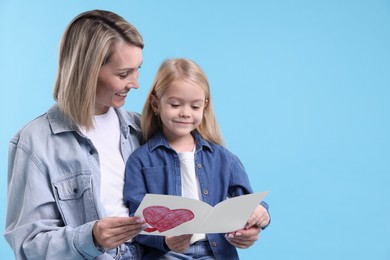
(124,75)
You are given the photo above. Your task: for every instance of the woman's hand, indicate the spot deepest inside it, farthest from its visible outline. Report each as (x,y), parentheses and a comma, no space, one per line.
(113,231)
(178,243)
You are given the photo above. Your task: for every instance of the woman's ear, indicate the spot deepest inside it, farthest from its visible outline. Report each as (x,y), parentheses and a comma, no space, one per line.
(154,104)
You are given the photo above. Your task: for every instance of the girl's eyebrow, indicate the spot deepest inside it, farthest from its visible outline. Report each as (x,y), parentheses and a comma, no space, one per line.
(180,99)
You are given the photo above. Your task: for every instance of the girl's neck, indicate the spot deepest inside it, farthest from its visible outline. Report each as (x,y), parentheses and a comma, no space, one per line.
(182,144)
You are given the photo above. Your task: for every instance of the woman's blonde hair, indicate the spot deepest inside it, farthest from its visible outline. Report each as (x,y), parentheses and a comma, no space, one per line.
(170,71)
(86,45)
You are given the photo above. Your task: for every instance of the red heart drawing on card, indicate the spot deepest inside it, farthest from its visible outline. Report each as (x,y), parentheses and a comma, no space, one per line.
(162,218)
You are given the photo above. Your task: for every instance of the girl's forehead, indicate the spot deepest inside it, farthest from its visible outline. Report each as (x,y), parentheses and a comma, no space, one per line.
(184,89)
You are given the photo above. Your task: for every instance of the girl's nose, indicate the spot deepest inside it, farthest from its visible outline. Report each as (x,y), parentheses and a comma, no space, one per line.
(184,112)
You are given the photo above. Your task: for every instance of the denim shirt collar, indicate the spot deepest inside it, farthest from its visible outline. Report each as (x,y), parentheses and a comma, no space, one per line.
(60,123)
(158,139)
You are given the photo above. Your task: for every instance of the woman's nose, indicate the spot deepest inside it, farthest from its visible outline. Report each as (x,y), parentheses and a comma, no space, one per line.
(134,84)
(133,80)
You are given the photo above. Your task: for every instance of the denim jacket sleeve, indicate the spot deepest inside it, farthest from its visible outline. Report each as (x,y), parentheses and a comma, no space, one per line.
(34,227)
(238,169)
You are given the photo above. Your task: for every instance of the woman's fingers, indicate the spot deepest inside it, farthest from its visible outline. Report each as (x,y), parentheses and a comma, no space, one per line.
(114,231)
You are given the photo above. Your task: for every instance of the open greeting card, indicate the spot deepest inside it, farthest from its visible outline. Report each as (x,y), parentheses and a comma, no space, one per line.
(174,215)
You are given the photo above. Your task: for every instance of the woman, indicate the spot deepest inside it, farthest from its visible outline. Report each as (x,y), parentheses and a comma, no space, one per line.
(63,176)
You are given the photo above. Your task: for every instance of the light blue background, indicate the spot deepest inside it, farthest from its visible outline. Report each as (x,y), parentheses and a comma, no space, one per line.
(301,91)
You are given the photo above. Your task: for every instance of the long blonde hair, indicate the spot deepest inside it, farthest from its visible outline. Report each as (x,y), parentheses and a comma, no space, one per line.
(184,69)
(86,45)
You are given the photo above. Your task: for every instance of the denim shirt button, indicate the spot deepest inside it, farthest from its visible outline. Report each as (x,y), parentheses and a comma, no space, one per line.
(214,244)
(75,190)
(205,192)
(199,165)
(90,152)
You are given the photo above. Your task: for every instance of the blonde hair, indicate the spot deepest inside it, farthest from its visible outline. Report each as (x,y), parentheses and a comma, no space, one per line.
(180,69)
(86,45)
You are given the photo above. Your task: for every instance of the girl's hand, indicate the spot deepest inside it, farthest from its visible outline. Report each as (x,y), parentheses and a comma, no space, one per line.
(178,243)
(244,238)
(259,218)
(113,231)
(250,234)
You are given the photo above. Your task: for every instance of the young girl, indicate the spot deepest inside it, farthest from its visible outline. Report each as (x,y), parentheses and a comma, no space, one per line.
(183,155)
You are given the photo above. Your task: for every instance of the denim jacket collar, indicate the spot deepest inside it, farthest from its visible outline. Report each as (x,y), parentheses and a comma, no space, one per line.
(59,123)
(158,139)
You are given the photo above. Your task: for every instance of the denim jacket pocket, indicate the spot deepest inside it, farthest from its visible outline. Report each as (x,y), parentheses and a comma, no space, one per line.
(156,179)
(75,198)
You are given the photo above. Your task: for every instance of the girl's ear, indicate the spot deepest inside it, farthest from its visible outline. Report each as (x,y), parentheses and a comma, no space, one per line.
(206,102)
(154,103)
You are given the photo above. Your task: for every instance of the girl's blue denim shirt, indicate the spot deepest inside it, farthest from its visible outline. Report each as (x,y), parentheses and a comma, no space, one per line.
(155,168)
(54,185)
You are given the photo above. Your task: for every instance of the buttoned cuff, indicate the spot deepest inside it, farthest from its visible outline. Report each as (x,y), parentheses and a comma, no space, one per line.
(84,243)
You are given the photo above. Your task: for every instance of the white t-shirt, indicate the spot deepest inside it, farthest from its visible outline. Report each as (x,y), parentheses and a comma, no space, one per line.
(106,139)
(189,183)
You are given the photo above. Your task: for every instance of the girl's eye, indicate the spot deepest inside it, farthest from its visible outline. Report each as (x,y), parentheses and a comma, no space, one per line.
(195,107)
(174,105)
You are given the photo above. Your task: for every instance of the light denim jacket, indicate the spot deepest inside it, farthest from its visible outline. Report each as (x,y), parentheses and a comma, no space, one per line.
(155,168)
(54,186)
